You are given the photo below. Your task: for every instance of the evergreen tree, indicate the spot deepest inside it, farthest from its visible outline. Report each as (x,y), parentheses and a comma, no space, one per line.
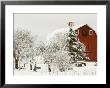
(76,48)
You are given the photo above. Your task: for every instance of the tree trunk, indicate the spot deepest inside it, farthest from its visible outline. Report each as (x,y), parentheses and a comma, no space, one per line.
(30,66)
(16,63)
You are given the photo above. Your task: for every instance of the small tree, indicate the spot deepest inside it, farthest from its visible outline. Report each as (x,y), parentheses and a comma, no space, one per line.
(62,59)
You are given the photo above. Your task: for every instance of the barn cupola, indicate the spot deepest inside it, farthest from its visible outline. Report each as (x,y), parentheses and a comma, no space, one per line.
(70,24)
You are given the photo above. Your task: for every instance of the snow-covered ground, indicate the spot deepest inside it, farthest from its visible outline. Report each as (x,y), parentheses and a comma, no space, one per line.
(90,69)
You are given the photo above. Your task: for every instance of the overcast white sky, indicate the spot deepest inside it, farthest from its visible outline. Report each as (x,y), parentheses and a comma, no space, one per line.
(44,24)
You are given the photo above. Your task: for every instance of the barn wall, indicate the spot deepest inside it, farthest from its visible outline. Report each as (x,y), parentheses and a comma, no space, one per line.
(90,41)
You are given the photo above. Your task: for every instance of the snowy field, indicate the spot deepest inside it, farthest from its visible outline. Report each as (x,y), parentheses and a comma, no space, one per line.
(89,69)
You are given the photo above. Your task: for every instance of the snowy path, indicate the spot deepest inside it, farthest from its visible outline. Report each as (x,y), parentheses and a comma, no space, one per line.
(90,69)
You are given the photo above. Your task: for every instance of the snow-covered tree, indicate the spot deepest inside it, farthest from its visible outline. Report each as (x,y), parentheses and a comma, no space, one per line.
(60,57)
(75,47)
(23,47)
(58,40)
(39,48)
(54,51)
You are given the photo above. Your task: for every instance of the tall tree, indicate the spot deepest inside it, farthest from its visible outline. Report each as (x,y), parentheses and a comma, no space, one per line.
(76,48)
(23,47)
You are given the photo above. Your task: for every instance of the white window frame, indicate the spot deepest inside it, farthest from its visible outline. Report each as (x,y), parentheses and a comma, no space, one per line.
(90,32)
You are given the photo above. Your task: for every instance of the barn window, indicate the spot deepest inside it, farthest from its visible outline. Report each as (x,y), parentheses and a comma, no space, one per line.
(90,32)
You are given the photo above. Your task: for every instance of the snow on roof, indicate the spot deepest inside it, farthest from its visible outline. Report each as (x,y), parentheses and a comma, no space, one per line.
(63,30)
(77,26)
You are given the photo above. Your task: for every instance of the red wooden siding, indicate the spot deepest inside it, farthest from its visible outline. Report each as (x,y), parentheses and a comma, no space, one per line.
(89,38)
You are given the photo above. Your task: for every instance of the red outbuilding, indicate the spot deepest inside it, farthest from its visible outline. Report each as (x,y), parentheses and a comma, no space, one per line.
(88,37)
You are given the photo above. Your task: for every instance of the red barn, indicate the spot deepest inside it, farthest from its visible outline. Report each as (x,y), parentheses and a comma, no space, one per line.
(88,37)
